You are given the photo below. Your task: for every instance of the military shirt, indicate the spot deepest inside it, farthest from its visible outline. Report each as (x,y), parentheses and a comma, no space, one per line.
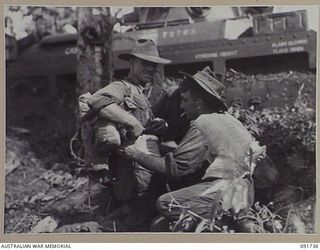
(127,95)
(218,142)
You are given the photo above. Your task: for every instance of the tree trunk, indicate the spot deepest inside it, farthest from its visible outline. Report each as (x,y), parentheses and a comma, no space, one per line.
(86,76)
(94,45)
(94,71)
(107,45)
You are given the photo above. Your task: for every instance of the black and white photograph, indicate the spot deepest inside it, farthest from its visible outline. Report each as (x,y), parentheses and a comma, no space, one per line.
(137,119)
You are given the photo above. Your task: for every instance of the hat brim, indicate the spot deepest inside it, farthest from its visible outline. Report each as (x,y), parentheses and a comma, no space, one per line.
(203,86)
(154,59)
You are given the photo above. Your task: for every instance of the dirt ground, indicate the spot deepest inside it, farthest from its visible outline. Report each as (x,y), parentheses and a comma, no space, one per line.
(39,187)
(42,195)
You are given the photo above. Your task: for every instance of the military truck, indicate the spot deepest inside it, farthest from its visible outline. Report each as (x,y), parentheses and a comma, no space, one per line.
(40,83)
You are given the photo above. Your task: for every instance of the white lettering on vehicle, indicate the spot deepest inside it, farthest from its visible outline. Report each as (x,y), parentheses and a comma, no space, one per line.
(178,33)
(227,53)
(288,46)
(72,50)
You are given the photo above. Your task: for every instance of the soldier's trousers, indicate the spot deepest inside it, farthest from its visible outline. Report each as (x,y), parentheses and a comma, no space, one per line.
(134,216)
(137,191)
(172,204)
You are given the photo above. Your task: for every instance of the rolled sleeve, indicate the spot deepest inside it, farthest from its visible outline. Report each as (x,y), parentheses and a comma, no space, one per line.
(113,93)
(189,155)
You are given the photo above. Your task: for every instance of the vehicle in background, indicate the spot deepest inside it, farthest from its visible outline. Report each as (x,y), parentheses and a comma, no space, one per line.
(41,79)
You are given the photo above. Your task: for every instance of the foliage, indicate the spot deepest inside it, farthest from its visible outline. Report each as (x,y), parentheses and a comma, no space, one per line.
(55,18)
(298,218)
(289,134)
(219,220)
(260,219)
(272,90)
(265,219)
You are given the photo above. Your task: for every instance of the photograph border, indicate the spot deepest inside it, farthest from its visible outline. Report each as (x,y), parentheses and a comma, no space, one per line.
(150,237)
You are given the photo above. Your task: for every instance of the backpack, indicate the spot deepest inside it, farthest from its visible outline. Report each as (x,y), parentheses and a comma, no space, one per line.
(97,134)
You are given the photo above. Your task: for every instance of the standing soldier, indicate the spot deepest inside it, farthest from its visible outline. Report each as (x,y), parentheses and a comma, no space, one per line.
(125,105)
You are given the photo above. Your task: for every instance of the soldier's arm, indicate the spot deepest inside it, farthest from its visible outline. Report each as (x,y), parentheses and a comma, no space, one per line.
(186,159)
(115,113)
(106,103)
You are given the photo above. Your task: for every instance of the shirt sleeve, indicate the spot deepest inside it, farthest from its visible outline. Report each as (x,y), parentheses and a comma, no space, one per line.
(189,155)
(113,93)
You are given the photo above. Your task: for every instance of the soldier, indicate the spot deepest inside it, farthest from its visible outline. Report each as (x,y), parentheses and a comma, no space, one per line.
(124,103)
(265,174)
(215,145)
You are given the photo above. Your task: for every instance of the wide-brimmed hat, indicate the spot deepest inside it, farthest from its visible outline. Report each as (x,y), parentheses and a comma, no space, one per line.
(145,49)
(208,81)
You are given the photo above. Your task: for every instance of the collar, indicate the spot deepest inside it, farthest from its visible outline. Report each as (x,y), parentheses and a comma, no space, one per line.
(134,82)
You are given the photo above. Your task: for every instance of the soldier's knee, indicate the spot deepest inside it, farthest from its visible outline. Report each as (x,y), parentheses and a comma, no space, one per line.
(163,203)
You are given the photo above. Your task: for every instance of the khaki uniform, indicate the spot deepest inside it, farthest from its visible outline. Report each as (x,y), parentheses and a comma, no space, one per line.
(216,145)
(134,187)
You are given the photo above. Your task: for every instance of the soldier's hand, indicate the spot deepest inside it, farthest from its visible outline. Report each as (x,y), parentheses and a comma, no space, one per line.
(156,127)
(128,152)
(136,130)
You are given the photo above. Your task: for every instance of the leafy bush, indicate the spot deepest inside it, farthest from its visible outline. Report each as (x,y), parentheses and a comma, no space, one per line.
(289,134)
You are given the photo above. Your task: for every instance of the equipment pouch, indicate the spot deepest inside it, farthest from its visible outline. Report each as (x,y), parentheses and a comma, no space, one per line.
(107,137)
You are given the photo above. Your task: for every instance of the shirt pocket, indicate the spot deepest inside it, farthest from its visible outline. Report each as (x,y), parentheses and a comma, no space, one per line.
(138,107)
(130,104)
